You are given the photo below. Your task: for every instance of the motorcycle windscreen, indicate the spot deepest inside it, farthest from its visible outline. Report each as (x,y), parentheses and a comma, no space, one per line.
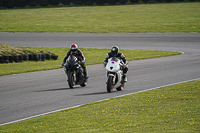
(115,59)
(113,65)
(71,59)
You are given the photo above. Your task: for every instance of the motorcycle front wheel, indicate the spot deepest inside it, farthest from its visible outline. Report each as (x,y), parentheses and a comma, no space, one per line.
(71,80)
(110,84)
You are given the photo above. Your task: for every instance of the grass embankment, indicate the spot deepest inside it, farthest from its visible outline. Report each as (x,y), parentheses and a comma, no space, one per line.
(170,109)
(9,50)
(91,58)
(173,17)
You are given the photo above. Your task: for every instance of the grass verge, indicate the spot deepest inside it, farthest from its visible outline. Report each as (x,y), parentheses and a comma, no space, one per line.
(91,58)
(171,109)
(173,17)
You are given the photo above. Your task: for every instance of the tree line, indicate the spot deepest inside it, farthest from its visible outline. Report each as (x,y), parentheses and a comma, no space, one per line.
(44,3)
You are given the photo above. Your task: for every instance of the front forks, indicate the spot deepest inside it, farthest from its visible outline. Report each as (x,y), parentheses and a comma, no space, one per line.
(112,75)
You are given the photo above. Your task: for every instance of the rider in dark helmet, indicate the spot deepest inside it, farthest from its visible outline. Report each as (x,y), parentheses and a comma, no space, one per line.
(114,53)
(79,55)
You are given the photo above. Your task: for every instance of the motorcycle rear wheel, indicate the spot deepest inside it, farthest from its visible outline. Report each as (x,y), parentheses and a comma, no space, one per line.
(71,81)
(110,84)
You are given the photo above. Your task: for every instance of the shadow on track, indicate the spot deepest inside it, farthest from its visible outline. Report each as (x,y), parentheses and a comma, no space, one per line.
(59,89)
(96,93)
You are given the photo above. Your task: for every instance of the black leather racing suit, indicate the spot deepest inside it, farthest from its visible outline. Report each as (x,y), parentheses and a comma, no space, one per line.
(79,55)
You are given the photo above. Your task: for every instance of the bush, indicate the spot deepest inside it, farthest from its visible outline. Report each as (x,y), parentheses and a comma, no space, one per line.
(88,2)
(146,1)
(134,1)
(32,2)
(112,2)
(54,2)
(20,3)
(100,2)
(1,3)
(9,3)
(43,2)
(122,1)
(65,2)
(23,3)
(168,0)
(77,2)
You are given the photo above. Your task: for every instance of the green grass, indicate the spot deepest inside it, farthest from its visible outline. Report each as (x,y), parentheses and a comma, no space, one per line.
(6,50)
(170,109)
(173,17)
(97,58)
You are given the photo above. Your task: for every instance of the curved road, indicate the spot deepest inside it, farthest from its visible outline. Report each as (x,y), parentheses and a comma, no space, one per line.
(32,94)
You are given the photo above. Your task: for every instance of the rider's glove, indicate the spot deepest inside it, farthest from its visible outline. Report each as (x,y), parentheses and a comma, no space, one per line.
(124,66)
(104,63)
(63,64)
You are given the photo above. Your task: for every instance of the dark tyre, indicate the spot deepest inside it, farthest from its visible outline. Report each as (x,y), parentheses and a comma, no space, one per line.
(6,59)
(1,59)
(20,58)
(71,80)
(30,57)
(48,56)
(35,57)
(16,58)
(110,84)
(54,57)
(43,57)
(11,59)
(25,57)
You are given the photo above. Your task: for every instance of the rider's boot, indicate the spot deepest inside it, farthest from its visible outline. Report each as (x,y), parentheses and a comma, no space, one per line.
(85,75)
(124,77)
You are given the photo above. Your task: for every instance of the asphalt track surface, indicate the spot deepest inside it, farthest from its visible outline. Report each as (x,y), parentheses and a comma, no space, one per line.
(32,94)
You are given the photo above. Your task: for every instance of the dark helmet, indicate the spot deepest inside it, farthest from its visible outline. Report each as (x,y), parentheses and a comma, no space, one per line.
(114,50)
(74,48)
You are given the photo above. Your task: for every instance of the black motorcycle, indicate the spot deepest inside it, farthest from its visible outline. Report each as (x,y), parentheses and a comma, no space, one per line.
(74,72)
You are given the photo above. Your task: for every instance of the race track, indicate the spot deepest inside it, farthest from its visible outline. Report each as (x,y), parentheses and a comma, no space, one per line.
(30,94)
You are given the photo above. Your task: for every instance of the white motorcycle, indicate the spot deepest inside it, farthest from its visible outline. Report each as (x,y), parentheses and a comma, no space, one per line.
(114,73)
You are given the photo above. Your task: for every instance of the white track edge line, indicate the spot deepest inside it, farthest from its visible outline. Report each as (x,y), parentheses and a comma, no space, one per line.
(96,101)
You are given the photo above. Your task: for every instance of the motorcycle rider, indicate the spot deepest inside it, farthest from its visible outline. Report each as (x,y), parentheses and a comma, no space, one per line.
(79,55)
(114,53)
